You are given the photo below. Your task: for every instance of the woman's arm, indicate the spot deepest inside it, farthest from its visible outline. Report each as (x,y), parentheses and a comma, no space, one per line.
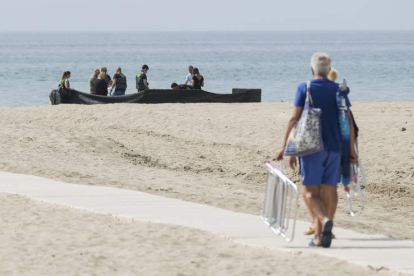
(353,156)
(192,83)
(67,85)
(202,83)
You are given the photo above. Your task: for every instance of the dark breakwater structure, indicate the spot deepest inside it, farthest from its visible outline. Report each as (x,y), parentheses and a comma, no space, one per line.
(154,96)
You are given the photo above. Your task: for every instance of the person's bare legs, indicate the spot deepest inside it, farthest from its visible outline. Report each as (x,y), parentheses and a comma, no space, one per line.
(329,197)
(306,200)
(318,210)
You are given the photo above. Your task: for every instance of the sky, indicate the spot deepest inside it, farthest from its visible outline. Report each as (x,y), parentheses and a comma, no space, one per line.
(205,15)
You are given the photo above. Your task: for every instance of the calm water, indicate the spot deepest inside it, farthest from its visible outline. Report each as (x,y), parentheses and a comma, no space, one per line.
(377,65)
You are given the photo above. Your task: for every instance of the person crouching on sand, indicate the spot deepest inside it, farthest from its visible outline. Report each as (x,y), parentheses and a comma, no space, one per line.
(175,86)
(320,171)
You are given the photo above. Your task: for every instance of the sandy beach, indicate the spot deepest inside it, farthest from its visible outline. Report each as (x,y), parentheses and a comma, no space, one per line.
(206,153)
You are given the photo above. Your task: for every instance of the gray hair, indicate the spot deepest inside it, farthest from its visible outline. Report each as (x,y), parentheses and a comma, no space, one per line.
(321,63)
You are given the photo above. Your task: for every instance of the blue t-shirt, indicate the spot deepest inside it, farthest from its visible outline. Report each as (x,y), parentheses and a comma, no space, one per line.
(323,92)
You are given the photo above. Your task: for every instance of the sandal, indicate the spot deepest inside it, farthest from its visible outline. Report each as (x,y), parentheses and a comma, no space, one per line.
(310,231)
(326,237)
(312,244)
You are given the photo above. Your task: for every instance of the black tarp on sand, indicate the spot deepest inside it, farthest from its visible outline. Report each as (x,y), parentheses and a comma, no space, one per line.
(163,96)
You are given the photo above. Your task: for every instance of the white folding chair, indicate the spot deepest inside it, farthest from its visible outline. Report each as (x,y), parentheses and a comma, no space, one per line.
(281,203)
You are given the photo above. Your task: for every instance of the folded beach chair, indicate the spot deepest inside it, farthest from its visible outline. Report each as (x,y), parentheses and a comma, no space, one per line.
(280,203)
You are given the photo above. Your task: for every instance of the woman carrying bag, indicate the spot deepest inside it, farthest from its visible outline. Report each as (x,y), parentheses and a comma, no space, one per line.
(64,88)
(320,162)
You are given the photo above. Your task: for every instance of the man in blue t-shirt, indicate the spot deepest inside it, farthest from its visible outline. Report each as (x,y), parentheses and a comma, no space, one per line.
(320,171)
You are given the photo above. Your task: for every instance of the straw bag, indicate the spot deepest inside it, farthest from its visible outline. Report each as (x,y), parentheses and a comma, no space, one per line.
(306,137)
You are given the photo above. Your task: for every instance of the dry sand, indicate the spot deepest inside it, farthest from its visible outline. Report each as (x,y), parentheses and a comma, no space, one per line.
(207,153)
(44,239)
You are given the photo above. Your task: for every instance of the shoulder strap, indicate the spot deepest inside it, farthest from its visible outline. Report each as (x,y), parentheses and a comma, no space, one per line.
(308,95)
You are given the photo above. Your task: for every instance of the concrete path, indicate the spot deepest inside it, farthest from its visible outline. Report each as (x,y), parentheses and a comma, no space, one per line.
(367,250)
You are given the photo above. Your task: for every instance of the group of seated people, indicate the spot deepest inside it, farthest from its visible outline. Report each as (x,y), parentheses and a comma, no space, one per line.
(194,80)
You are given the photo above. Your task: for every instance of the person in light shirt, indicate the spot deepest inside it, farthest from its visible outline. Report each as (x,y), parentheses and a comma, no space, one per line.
(189,77)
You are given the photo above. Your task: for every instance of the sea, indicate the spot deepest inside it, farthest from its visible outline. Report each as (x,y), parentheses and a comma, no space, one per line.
(378,65)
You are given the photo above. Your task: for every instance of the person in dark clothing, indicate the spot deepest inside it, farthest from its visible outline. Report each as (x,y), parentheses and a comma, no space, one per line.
(181,86)
(141,79)
(198,80)
(356,129)
(101,88)
(119,82)
(107,77)
(92,81)
(64,88)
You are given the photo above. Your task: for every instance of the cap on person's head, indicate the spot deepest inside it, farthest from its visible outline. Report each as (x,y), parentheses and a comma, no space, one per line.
(145,67)
(174,85)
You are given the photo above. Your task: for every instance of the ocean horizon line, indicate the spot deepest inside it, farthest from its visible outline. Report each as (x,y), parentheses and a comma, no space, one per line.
(209,31)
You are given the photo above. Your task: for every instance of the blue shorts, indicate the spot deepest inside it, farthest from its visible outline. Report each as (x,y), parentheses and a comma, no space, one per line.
(320,168)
